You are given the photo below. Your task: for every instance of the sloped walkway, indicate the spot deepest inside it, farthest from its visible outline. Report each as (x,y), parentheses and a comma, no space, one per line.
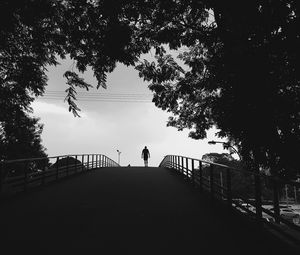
(126,211)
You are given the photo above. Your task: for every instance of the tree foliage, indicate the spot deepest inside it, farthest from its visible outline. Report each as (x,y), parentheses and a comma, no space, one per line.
(20,137)
(65,162)
(242,77)
(34,33)
(94,34)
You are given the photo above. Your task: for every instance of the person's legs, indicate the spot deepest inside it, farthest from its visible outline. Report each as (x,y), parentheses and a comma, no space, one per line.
(146,162)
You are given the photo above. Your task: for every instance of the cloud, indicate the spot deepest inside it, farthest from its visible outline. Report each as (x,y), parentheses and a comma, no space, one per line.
(41,108)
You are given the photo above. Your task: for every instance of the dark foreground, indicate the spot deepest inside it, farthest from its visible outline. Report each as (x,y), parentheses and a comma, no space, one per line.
(127,211)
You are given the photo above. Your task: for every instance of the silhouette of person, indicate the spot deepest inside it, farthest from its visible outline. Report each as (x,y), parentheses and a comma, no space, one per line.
(145,155)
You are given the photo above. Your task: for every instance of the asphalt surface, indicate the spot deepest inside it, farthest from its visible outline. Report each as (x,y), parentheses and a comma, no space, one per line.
(131,210)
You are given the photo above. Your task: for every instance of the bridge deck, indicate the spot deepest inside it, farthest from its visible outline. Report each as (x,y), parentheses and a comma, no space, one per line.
(129,211)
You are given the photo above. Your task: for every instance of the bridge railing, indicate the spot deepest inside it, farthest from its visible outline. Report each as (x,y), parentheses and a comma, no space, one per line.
(23,174)
(253,194)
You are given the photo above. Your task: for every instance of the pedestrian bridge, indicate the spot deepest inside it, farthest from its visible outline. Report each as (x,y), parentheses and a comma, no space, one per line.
(88,204)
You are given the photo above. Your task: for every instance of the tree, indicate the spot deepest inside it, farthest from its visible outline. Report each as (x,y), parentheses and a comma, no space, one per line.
(242,77)
(92,33)
(21,137)
(34,33)
(64,162)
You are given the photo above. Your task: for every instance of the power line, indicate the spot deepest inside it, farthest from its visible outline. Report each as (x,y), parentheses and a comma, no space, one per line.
(107,100)
(58,92)
(107,97)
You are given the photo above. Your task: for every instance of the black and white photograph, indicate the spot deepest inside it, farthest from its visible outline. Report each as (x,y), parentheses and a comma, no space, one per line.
(150,127)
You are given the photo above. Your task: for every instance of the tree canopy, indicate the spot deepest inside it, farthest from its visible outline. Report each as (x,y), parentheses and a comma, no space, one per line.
(20,137)
(242,77)
(35,33)
(241,60)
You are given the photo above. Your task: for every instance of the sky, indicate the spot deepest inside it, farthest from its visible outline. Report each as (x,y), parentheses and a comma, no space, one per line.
(105,127)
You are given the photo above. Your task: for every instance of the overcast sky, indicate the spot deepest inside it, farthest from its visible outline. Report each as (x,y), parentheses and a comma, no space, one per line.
(105,127)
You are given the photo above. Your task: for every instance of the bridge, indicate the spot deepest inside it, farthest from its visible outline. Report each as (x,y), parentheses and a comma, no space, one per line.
(88,204)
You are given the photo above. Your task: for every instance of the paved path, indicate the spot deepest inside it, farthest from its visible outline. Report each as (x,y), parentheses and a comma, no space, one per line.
(126,211)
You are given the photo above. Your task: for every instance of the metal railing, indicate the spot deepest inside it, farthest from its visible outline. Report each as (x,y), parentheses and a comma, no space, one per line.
(253,194)
(23,174)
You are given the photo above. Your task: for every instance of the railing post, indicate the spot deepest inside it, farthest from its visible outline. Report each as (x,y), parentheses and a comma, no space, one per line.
(182,165)
(229,193)
(187,167)
(193,172)
(76,163)
(258,202)
(211,179)
(93,161)
(174,162)
(82,163)
(57,159)
(276,200)
(200,176)
(88,162)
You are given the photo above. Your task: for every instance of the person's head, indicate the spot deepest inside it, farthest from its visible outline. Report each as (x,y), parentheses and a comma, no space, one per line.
(145,147)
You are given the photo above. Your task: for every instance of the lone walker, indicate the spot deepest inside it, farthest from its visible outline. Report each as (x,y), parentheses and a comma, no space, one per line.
(145,155)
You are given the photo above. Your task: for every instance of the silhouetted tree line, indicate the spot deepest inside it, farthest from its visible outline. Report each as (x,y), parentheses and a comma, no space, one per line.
(67,161)
(39,165)
(241,57)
